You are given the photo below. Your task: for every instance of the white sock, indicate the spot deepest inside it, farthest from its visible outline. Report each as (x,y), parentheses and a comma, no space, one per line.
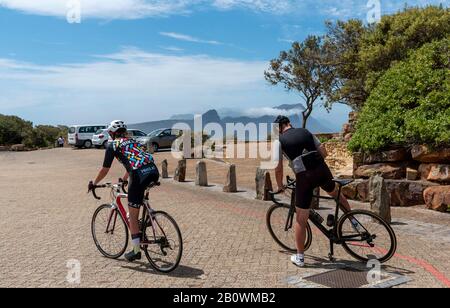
(301,256)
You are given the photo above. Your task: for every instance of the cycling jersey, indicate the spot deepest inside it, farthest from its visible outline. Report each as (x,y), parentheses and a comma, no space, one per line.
(130,153)
(300,143)
(139,164)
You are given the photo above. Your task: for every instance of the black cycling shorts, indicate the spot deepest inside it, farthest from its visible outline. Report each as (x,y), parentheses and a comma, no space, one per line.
(140,180)
(309,180)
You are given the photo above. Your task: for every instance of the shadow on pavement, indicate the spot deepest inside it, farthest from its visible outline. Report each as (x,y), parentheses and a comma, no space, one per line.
(181,272)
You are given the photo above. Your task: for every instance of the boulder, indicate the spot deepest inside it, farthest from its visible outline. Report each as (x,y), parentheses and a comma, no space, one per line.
(392,156)
(403,193)
(424,154)
(435,172)
(231,182)
(358,190)
(180,172)
(358,159)
(379,198)
(18,147)
(348,137)
(387,171)
(412,174)
(164,169)
(263,184)
(201,175)
(437,198)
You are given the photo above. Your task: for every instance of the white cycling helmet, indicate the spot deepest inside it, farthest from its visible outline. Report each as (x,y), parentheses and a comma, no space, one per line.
(116,125)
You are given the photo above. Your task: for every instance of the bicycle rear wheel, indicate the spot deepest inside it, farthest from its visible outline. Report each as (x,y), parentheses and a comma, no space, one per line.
(109,231)
(373,239)
(276,223)
(165,254)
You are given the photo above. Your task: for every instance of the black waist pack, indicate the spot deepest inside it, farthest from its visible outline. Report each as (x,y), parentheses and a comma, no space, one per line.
(308,161)
(148,170)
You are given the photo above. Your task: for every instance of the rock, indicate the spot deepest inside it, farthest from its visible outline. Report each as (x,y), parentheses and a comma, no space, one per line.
(424,154)
(358,159)
(352,117)
(435,172)
(263,184)
(231,182)
(348,137)
(4,148)
(412,174)
(392,156)
(315,203)
(358,190)
(388,171)
(164,169)
(180,172)
(405,193)
(201,175)
(437,198)
(379,198)
(346,129)
(18,147)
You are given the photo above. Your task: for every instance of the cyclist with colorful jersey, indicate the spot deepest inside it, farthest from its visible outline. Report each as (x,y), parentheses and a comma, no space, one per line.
(141,171)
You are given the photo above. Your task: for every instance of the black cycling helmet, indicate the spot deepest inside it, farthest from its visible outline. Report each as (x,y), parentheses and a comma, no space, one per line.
(282,120)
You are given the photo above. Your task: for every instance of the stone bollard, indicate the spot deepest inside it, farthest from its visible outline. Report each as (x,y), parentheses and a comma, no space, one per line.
(231,182)
(315,201)
(379,198)
(263,184)
(164,169)
(180,172)
(201,175)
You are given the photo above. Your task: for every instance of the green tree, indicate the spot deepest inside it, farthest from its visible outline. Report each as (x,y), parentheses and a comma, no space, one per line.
(304,69)
(411,103)
(362,54)
(13,130)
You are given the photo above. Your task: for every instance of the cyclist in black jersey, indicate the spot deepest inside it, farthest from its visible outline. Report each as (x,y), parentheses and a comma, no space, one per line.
(307,159)
(141,171)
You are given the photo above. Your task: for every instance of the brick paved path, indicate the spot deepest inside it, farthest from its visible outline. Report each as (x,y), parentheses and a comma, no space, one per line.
(46,217)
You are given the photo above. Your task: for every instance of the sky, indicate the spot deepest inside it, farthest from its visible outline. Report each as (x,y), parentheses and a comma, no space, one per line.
(92,61)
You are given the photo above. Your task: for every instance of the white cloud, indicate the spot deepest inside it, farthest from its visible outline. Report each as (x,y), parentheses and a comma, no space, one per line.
(188,38)
(133,9)
(131,84)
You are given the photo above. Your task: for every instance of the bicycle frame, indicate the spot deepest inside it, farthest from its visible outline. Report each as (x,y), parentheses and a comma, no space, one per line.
(332,233)
(118,207)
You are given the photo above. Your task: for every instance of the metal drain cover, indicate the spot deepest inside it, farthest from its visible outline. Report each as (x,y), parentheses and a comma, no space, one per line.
(342,278)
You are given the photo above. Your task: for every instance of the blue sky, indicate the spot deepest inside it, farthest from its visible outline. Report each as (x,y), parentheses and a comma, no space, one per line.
(142,60)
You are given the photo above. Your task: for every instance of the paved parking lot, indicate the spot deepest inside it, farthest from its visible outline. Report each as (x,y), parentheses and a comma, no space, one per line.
(46,216)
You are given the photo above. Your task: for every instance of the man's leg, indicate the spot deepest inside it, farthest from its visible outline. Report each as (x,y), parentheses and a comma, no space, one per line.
(343,202)
(300,229)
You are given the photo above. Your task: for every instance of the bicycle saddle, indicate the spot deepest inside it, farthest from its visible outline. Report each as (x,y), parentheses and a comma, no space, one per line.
(343,182)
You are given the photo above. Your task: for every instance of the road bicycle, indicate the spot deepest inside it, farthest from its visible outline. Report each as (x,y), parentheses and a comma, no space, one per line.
(363,234)
(161,239)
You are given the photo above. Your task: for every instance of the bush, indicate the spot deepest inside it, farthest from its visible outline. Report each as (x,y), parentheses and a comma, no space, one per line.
(411,103)
(14,130)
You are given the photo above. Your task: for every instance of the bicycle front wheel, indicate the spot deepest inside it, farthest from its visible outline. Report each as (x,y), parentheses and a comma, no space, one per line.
(276,221)
(109,231)
(371,239)
(164,246)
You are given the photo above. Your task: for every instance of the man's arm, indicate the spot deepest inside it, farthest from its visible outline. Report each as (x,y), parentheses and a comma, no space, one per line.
(279,174)
(320,147)
(101,175)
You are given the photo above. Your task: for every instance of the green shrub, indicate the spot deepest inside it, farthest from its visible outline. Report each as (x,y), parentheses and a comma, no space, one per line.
(411,103)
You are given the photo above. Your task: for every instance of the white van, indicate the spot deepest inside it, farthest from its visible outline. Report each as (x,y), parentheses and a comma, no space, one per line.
(81,135)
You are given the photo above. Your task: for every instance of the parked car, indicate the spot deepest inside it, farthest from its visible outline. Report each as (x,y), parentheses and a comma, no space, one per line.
(101,137)
(161,138)
(81,135)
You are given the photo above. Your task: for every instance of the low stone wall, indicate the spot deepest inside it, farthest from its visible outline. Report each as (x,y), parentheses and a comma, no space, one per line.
(409,172)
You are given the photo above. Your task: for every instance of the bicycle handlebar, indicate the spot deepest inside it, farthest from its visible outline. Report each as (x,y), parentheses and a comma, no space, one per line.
(119,185)
(290,185)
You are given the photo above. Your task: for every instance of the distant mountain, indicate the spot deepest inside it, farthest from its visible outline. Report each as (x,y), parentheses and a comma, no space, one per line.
(182,117)
(212,116)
